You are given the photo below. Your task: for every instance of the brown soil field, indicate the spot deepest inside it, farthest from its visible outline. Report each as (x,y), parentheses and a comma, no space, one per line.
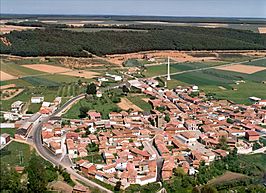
(262,30)
(246,69)
(61,187)
(11,93)
(8,28)
(7,86)
(5,76)
(126,104)
(227,176)
(81,73)
(61,70)
(47,68)
(174,55)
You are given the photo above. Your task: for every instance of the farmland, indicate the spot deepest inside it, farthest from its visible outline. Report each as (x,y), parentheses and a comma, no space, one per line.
(138,100)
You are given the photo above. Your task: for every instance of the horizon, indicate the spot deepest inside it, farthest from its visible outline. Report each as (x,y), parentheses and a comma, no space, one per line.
(168,8)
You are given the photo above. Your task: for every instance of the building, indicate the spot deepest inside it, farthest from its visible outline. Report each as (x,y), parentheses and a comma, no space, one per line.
(114,77)
(5,138)
(17,107)
(37,100)
(252,136)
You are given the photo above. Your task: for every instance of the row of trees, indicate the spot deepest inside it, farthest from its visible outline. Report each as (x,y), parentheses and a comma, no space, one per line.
(52,42)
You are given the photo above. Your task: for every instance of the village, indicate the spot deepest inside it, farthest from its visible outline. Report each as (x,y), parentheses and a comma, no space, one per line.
(184,129)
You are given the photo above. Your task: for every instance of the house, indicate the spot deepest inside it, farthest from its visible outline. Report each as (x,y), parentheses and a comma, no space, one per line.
(94,115)
(79,189)
(99,94)
(114,77)
(37,100)
(188,138)
(262,102)
(17,106)
(5,138)
(252,135)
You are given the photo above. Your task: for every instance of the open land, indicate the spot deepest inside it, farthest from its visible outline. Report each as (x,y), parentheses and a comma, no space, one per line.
(126,104)
(247,69)
(61,70)
(5,76)
(8,28)
(226,177)
(262,30)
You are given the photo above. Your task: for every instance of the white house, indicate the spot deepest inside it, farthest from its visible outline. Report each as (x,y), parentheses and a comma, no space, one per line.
(114,77)
(262,102)
(37,99)
(17,106)
(4,139)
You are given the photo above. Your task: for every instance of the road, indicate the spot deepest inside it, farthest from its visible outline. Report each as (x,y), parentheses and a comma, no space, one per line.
(57,160)
(207,68)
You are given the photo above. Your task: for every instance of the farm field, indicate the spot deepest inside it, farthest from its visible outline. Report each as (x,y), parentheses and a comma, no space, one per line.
(15,154)
(61,70)
(6,76)
(246,69)
(178,67)
(261,62)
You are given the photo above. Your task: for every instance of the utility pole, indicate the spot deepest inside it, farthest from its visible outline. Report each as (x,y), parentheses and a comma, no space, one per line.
(168,69)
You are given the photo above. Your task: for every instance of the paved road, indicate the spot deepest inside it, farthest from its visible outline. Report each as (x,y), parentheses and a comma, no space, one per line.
(207,68)
(57,160)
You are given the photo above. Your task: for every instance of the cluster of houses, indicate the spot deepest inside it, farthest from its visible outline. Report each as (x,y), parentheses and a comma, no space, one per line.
(183,130)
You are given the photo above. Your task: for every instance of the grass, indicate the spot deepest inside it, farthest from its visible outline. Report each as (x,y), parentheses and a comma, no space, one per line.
(15,154)
(226,177)
(138,100)
(48,93)
(257,160)
(93,158)
(241,95)
(33,107)
(102,105)
(10,131)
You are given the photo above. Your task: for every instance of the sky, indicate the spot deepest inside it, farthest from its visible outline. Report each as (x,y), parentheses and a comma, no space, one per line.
(198,8)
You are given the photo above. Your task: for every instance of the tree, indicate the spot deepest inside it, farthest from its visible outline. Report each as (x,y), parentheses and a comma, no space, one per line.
(83,111)
(125,89)
(208,189)
(37,179)
(10,180)
(117,186)
(91,89)
(223,143)
(167,118)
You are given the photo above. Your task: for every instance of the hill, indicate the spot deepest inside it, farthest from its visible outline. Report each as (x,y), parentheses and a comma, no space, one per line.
(59,42)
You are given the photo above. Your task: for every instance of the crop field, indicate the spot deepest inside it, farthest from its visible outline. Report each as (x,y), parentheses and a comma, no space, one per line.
(246,69)
(178,67)
(17,70)
(69,90)
(261,62)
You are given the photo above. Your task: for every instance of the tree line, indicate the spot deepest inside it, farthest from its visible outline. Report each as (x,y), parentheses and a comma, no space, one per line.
(58,42)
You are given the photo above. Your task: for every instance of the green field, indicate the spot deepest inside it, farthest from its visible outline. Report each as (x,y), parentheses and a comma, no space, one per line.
(10,131)
(137,100)
(178,67)
(261,62)
(15,154)
(210,81)
(18,70)
(103,105)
